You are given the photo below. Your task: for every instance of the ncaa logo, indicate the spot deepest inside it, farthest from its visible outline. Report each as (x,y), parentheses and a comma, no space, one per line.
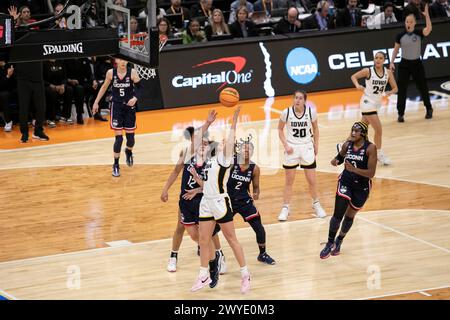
(301,65)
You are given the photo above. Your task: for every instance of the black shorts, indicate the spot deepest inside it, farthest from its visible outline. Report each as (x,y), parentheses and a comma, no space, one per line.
(356,193)
(122,116)
(189,211)
(246,208)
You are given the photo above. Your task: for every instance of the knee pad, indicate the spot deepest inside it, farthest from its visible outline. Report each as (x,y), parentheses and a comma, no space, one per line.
(130,139)
(257,226)
(118,144)
(347,224)
(216,229)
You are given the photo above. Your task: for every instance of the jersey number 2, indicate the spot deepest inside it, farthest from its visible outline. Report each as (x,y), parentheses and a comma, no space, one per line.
(300,133)
(238,185)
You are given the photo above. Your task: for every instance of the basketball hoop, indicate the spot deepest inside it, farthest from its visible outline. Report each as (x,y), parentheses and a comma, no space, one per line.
(140,42)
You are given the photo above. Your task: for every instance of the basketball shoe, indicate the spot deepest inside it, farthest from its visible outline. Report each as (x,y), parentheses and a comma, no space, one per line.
(265,258)
(284,213)
(200,283)
(172,264)
(222,263)
(129,156)
(245,284)
(383,159)
(337,247)
(320,213)
(325,253)
(116,170)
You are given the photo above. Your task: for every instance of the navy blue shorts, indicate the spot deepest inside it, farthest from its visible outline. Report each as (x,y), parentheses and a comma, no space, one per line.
(356,193)
(246,208)
(122,116)
(189,210)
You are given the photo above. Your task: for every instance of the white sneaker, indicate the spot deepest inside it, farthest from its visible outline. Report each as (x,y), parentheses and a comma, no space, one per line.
(283,214)
(172,265)
(222,265)
(8,126)
(51,124)
(320,213)
(384,160)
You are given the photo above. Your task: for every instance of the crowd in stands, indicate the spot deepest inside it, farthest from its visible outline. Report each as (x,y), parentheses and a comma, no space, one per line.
(76,82)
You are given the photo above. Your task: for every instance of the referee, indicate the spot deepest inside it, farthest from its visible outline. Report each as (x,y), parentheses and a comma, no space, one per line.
(410,40)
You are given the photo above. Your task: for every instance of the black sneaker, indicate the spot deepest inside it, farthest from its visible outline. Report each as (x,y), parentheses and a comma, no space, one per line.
(40,135)
(80,119)
(400,119)
(98,116)
(116,170)
(265,258)
(429,114)
(129,155)
(214,274)
(337,247)
(24,138)
(325,253)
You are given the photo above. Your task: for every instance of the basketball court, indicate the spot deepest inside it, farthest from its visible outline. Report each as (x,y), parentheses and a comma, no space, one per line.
(71,231)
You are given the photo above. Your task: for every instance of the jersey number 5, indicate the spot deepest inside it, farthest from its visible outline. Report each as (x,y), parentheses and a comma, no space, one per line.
(300,133)
(122,92)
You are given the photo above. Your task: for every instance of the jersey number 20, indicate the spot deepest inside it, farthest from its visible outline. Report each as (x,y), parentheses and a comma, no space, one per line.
(300,133)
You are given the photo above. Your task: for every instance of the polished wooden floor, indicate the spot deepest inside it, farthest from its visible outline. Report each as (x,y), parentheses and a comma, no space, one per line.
(61,206)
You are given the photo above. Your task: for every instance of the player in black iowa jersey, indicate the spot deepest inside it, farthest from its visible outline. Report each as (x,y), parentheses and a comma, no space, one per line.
(360,157)
(123,109)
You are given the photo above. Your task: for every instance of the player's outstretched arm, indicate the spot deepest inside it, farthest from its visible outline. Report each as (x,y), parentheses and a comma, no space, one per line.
(229,143)
(200,132)
(255,183)
(102,90)
(173,177)
(371,165)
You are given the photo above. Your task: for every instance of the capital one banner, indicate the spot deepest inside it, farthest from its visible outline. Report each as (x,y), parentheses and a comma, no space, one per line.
(280,65)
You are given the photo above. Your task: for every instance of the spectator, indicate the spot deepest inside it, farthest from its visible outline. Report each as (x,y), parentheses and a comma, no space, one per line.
(25,17)
(60,23)
(117,19)
(321,18)
(80,77)
(92,18)
(290,23)
(35,6)
(134,25)
(164,28)
(414,8)
(267,6)
(242,27)
(440,8)
(235,5)
(101,66)
(56,87)
(350,16)
(217,25)
(303,6)
(385,17)
(193,33)
(202,11)
(176,8)
(8,89)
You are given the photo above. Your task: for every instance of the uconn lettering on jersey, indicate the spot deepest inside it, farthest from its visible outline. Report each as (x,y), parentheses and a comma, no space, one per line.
(117,84)
(236,176)
(355,157)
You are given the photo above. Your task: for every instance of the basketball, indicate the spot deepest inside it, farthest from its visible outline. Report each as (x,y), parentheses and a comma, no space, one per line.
(229,97)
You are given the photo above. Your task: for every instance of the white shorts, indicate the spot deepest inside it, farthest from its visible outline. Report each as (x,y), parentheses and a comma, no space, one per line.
(369,105)
(217,208)
(302,156)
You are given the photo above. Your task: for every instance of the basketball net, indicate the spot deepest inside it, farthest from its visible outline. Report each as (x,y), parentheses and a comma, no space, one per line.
(137,43)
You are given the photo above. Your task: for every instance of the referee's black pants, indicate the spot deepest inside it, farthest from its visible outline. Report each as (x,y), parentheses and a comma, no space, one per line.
(406,69)
(31,92)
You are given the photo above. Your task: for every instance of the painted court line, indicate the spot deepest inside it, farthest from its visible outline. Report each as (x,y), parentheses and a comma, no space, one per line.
(405,234)
(425,294)
(405,292)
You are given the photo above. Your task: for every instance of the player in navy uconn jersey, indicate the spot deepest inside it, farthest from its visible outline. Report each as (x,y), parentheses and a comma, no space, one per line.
(377,78)
(243,173)
(360,158)
(123,109)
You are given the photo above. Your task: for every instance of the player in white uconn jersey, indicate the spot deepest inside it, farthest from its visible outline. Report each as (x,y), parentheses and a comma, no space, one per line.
(301,144)
(215,207)
(377,78)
